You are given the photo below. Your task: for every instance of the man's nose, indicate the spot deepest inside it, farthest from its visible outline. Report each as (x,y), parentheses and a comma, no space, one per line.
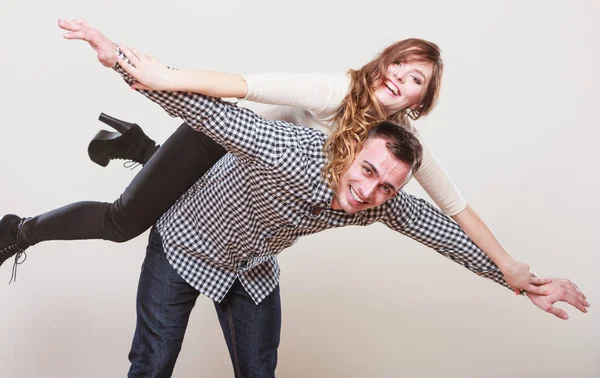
(368,189)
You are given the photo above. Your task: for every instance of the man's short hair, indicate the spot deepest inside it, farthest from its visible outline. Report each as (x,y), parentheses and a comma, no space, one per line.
(403,144)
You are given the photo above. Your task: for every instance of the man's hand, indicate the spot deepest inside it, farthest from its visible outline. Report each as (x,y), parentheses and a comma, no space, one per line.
(561,290)
(79,29)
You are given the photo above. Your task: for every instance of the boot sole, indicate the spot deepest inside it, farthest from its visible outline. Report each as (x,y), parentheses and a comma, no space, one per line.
(100,136)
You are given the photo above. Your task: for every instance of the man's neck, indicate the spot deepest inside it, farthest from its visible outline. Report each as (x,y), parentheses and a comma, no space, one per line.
(334,204)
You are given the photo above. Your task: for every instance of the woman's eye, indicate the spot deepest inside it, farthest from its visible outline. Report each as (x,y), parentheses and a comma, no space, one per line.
(416,80)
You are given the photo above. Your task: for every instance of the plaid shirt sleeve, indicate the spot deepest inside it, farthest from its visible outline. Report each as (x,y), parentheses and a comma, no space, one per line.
(239,130)
(419,220)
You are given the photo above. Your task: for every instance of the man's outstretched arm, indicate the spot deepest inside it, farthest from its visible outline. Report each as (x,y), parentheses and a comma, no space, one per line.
(421,221)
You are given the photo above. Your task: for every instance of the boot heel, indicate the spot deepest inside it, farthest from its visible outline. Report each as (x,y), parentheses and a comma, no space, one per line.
(128,143)
(115,123)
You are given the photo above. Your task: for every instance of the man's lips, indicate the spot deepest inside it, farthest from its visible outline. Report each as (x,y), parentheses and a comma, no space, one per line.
(355,196)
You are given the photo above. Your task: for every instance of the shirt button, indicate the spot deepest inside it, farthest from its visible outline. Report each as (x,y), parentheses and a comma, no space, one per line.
(244,255)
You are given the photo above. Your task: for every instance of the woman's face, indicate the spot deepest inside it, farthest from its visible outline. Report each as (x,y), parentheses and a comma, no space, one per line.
(403,86)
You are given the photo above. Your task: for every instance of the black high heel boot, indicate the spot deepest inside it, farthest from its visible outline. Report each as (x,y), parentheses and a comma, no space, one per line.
(10,225)
(128,143)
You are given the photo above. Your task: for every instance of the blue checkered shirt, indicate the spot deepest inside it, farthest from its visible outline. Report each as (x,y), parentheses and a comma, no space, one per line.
(262,196)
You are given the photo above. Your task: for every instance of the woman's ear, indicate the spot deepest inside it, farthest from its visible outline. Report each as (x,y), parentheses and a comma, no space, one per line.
(416,107)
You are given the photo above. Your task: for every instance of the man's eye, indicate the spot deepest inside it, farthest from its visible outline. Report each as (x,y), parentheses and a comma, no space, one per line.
(368,170)
(386,189)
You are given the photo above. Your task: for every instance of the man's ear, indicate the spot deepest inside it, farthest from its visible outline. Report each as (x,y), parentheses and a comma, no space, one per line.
(409,176)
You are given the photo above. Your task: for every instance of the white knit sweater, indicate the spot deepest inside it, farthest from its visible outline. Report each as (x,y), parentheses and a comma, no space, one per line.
(311,99)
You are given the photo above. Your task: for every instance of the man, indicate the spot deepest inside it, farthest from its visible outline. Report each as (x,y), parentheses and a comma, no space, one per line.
(220,239)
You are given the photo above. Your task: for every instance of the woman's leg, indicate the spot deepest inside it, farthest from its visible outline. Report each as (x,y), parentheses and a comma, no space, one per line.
(175,167)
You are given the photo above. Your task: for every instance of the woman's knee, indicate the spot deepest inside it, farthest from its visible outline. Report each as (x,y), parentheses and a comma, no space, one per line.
(121,225)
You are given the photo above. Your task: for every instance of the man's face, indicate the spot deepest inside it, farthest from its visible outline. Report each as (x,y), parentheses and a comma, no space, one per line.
(374,177)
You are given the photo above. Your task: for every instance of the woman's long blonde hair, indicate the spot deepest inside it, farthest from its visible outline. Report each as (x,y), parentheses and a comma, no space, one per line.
(360,111)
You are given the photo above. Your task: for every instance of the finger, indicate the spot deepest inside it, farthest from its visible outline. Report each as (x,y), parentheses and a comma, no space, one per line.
(571,298)
(80,21)
(78,35)
(537,290)
(140,86)
(583,298)
(126,66)
(67,25)
(579,289)
(578,303)
(534,274)
(577,293)
(580,298)
(573,289)
(136,53)
(558,313)
(129,55)
(94,39)
(539,281)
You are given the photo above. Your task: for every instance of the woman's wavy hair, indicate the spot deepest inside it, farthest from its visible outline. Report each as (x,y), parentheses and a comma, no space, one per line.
(360,111)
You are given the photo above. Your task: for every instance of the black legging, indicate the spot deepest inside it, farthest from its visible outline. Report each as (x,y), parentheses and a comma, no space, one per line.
(173,169)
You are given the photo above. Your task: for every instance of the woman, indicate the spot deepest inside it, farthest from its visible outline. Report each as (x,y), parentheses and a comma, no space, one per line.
(402,82)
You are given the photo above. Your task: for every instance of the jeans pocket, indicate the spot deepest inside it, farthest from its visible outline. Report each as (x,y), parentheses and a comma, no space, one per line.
(154,238)
(154,245)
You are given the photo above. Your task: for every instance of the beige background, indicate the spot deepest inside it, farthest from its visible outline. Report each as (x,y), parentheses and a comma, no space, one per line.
(517,128)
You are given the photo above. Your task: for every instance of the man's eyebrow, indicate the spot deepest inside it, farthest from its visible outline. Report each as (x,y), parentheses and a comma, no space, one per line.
(377,174)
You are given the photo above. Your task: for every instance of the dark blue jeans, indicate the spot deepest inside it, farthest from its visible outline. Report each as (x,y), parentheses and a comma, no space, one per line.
(164,304)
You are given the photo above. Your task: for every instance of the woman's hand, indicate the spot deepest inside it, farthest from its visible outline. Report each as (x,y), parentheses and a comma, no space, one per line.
(149,73)
(519,277)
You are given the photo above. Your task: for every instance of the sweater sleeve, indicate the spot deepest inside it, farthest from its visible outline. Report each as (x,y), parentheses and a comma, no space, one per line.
(438,184)
(318,93)
(321,95)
